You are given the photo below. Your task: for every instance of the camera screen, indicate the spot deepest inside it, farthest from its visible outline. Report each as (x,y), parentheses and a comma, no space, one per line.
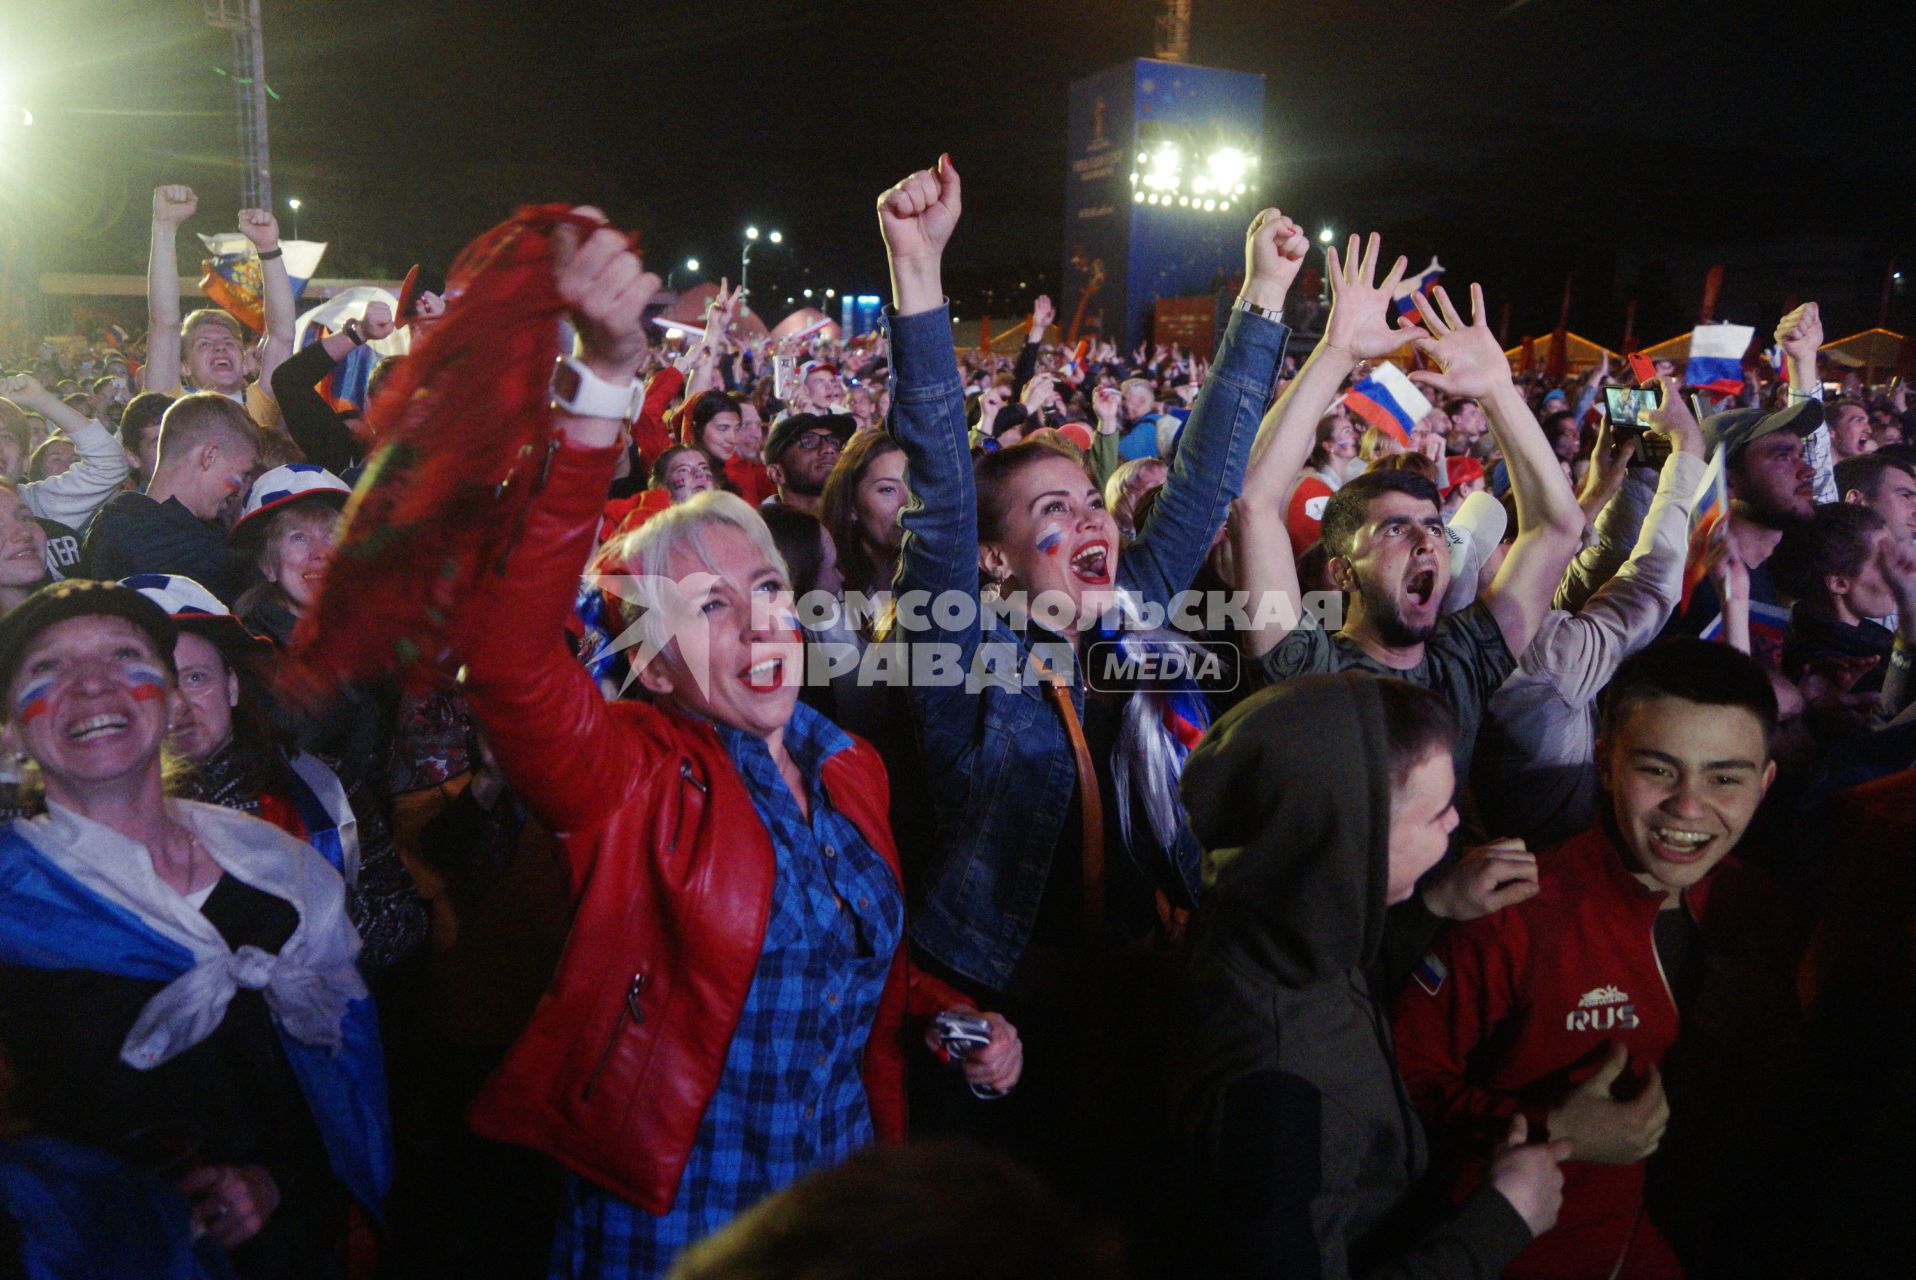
(1627,405)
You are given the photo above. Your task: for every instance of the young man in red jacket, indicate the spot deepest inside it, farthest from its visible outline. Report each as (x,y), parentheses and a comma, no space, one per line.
(1646,952)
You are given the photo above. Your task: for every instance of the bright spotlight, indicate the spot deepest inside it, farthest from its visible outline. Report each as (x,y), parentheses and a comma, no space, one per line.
(1326,236)
(807,293)
(293,204)
(691,264)
(1167,165)
(1227,165)
(778,238)
(751,233)
(831,293)
(1138,196)
(1210,206)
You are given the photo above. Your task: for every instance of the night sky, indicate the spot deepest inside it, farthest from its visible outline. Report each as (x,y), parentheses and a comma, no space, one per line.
(1629,144)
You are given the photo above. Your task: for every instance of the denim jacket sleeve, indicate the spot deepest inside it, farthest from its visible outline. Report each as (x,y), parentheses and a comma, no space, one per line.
(939,550)
(1208,470)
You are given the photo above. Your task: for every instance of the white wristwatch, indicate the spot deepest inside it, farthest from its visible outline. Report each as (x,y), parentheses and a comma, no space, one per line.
(584,394)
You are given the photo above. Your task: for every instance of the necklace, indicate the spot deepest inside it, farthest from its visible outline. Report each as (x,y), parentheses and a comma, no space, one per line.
(198,860)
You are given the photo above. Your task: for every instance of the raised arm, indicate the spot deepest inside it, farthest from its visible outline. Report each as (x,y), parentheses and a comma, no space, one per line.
(1626,611)
(1549,522)
(1800,334)
(1042,314)
(1614,500)
(95,476)
(1358,329)
(550,727)
(1208,470)
(276,291)
(172,205)
(940,546)
(318,431)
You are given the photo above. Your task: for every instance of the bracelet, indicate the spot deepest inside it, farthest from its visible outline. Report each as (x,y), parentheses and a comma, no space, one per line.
(351,330)
(267,255)
(1275,317)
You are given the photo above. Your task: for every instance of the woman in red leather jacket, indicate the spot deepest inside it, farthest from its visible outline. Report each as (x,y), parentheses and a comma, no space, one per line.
(730,1009)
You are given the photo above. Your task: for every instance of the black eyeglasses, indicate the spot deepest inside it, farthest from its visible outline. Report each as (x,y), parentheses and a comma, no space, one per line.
(816,440)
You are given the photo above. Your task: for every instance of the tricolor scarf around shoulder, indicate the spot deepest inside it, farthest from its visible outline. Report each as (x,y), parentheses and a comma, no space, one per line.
(1160,727)
(63,905)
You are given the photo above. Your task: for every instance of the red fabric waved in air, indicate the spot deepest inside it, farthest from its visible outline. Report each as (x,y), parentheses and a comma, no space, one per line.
(462,431)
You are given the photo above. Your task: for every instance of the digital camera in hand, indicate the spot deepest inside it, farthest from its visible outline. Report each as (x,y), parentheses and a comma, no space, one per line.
(960,1034)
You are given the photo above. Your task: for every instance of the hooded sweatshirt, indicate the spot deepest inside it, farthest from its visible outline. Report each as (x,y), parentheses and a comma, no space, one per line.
(1286,1093)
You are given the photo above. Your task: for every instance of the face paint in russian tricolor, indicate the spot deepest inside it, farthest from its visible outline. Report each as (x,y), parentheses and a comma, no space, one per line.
(35,701)
(1051,539)
(145,683)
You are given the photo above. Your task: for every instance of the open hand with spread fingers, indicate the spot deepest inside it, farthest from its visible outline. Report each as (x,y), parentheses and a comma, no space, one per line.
(1472,366)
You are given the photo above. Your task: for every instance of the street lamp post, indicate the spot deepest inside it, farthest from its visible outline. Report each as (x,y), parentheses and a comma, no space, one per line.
(745,256)
(293,204)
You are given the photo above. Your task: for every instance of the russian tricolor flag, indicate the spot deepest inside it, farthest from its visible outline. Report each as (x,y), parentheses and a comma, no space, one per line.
(1716,357)
(1073,368)
(1388,401)
(1404,297)
(231,275)
(1709,506)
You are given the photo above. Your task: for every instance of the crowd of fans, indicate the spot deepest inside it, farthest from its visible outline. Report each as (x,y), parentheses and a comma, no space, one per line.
(1223,834)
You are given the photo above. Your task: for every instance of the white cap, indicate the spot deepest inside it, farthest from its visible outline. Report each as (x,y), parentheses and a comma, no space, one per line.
(1474,531)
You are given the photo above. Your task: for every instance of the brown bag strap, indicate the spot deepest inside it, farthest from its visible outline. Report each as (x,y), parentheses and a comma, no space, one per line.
(1090,809)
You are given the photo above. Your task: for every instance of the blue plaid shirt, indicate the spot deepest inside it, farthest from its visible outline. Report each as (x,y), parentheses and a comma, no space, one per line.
(790,1098)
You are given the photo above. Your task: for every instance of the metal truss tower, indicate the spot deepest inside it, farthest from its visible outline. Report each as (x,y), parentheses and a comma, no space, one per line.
(241,19)
(1174,32)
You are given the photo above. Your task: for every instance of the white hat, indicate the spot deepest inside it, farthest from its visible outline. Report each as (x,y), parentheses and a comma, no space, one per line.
(1474,531)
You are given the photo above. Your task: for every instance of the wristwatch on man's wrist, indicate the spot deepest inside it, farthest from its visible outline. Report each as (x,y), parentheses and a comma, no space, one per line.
(584,394)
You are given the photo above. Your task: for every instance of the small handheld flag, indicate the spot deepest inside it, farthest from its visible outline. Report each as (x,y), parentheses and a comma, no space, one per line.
(1388,401)
(1403,299)
(1716,356)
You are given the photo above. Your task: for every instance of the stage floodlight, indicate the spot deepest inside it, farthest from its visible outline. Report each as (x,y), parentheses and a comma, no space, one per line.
(1228,165)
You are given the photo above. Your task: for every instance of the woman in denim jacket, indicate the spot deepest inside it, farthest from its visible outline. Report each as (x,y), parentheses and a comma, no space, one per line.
(996,744)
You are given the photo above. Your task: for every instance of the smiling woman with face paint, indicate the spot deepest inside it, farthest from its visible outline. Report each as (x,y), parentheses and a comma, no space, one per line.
(1059,842)
(173,973)
(1030,520)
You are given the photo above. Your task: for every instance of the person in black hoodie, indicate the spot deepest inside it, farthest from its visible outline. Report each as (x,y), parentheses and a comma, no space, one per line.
(1287,1100)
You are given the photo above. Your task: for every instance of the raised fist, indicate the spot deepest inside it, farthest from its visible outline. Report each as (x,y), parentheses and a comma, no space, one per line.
(22,388)
(605,288)
(261,227)
(173,205)
(1800,333)
(1274,249)
(377,323)
(918,215)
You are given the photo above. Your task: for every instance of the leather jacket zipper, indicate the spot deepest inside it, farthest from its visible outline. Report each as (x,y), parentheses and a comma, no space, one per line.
(633,1011)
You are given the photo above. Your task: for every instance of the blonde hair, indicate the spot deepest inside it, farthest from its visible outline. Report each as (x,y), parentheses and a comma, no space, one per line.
(645,552)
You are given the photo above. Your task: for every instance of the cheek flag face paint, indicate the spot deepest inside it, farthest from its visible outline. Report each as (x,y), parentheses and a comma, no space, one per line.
(1050,538)
(35,701)
(145,683)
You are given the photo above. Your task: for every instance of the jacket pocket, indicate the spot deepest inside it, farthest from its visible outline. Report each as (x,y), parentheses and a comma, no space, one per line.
(631,1013)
